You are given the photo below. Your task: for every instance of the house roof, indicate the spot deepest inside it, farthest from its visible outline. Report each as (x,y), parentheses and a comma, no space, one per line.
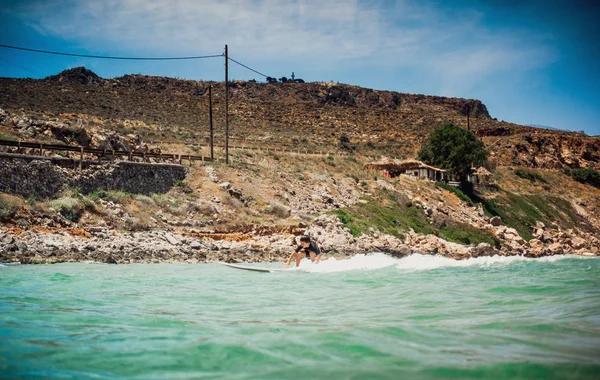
(400,165)
(481,171)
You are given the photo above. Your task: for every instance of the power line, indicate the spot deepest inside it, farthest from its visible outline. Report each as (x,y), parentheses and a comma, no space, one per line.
(249,68)
(129,58)
(110,57)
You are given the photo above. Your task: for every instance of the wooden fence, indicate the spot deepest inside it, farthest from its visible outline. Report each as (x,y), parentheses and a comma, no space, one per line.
(110,154)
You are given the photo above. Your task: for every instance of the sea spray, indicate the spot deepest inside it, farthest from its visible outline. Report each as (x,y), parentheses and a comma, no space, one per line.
(417,261)
(358,262)
(425,262)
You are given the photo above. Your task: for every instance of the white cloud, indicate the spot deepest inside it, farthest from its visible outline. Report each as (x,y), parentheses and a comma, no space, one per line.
(453,45)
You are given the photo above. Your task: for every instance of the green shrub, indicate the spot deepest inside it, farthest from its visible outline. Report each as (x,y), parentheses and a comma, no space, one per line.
(466,234)
(9,137)
(394,214)
(97,194)
(529,175)
(118,196)
(330,160)
(184,186)
(356,229)
(71,193)
(462,196)
(88,204)
(521,212)
(388,213)
(69,207)
(343,216)
(345,144)
(587,176)
(455,149)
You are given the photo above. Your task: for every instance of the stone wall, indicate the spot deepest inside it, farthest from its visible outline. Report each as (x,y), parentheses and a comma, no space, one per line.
(36,178)
(43,178)
(131,177)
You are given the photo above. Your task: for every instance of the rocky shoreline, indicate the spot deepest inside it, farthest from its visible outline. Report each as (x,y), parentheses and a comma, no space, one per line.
(97,244)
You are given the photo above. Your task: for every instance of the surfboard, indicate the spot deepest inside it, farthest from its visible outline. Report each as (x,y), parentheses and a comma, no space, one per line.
(254,269)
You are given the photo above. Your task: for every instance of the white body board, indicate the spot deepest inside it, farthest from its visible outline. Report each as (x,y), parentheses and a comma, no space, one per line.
(255,269)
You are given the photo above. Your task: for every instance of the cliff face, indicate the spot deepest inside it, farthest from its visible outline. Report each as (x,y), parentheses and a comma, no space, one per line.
(314,115)
(531,147)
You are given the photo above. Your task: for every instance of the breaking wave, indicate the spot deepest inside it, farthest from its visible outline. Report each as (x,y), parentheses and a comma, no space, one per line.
(357,262)
(4,265)
(417,261)
(426,262)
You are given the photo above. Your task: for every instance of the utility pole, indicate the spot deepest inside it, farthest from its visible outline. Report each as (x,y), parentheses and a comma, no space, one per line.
(226,106)
(469,120)
(212,142)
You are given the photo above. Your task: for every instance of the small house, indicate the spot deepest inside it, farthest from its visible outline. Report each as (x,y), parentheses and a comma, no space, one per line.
(413,168)
(479,176)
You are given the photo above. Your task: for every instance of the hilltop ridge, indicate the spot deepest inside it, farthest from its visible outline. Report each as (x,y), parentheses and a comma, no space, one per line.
(315,115)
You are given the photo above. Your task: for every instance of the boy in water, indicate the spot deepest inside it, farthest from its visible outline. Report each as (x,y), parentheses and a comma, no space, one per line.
(307,248)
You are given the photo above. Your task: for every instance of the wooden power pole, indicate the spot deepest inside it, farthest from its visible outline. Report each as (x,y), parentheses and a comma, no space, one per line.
(226,107)
(212,141)
(469,121)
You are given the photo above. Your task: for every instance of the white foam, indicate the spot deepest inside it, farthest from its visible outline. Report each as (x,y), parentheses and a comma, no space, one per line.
(4,265)
(425,262)
(357,262)
(416,261)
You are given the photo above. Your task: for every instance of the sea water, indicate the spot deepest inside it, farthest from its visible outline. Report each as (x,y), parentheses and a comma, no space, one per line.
(369,317)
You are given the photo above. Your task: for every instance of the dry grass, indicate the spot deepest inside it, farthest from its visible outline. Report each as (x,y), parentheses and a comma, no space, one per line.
(70,208)
(42,208)
(234,203)
(118,196)
(132,208)
(10,205)
(203,208)
(163,200)
(279,211)
(145,204)
(141,223)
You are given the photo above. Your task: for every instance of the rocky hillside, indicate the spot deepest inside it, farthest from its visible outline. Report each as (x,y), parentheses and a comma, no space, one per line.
(311,115)
(252,209)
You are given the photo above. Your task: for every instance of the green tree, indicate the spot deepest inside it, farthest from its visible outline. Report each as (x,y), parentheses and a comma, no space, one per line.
(455,149)
(587,175)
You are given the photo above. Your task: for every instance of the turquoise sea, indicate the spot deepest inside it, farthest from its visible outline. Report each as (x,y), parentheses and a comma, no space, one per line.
(369,317)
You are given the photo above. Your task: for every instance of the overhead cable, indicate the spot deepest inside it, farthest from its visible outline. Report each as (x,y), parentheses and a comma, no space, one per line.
(110,57)
(249,68)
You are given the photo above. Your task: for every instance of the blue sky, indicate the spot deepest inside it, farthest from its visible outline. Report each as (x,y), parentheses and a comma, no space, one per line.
(530,62)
